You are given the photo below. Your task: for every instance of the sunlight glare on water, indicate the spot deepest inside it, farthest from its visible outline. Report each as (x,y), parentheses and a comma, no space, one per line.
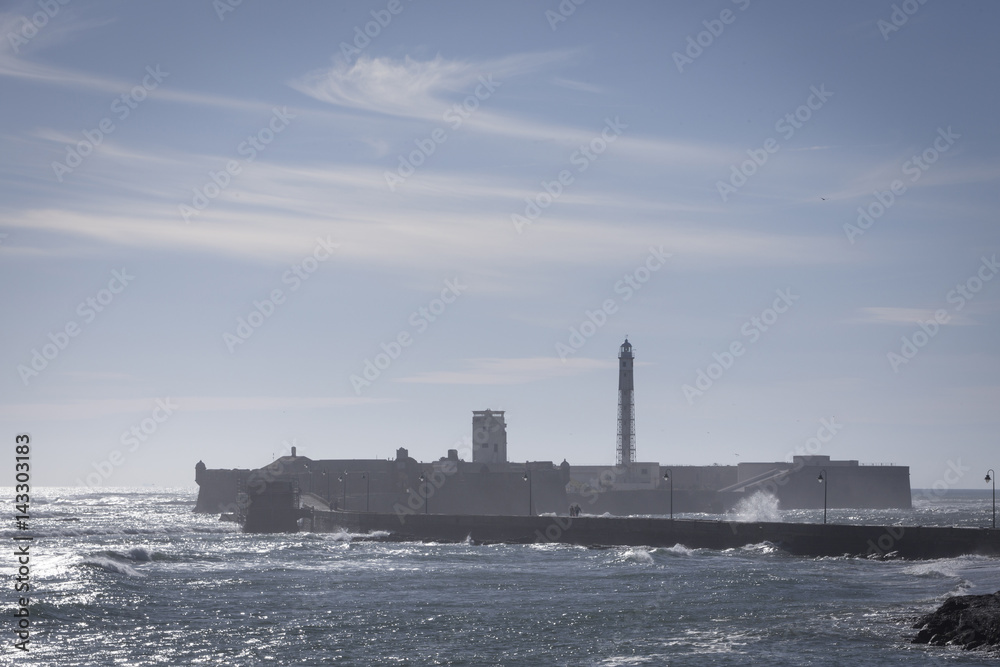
(142,580)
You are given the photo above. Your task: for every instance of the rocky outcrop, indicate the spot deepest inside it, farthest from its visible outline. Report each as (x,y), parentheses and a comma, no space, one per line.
(969,621)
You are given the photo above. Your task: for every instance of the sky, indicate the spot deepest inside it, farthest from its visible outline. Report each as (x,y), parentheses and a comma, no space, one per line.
(228,228)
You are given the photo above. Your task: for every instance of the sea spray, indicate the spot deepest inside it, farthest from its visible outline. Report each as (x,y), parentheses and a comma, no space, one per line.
(761,506)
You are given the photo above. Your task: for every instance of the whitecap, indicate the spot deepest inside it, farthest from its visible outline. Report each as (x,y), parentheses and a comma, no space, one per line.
(680,550)
(637,555)
(934,569)
(760,548)
(343,536)
(113,566)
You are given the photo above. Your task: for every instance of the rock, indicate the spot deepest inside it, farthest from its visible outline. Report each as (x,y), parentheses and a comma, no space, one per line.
(969,621)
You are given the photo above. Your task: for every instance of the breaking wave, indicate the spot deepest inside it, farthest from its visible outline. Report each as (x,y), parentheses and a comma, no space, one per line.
(344,536)
(679,550)
(761,506)
(637,555)
(111,565)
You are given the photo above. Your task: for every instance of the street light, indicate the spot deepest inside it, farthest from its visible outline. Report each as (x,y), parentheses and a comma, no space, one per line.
(667,477)
(368,482)
(426,495)
(991,477)
(527,478)
(368,495)
(343,486)
(822,480)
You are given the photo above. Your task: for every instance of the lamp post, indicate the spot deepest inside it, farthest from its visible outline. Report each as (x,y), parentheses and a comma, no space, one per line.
(298,480)
(825,482)
(368,484)
(991,477)
(426,495)
(343,487)
(527,478)
(368,487)
(670,479)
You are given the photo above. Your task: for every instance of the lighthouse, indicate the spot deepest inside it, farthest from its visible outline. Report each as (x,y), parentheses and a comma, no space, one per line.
(626,407)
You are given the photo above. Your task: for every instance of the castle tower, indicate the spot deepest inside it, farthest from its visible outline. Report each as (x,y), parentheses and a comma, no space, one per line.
(489,436)
(626,407)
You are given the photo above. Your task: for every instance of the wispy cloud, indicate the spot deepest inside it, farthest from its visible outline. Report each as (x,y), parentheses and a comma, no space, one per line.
(425,90)
(410,88)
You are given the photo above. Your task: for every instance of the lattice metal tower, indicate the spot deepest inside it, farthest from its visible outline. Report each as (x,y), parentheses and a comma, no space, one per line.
(626,406)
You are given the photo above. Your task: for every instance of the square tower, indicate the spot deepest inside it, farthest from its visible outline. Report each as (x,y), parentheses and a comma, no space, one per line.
(489,437)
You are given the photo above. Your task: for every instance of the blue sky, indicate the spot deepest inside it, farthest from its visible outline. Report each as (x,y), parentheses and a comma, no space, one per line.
(215,222)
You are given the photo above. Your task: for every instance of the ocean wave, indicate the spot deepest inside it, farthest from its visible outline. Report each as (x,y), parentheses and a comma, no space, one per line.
(637,555)
(72,528)
(945,568)
(111,565)
(679,550)
(620,661)
(344,536)
(140,554)
(760,548)
(761,506)
(961,588)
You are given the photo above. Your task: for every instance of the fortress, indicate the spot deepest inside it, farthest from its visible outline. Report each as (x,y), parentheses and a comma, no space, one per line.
(491,484)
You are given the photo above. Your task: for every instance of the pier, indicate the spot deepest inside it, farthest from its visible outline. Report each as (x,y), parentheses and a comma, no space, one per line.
(275,513)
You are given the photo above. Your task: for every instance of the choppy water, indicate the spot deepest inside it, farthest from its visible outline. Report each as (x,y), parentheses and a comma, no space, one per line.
(133,577)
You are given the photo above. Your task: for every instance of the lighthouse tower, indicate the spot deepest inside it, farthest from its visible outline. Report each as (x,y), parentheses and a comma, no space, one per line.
(626,407)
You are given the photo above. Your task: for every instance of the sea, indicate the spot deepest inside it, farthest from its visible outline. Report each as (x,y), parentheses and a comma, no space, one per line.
(132,576)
